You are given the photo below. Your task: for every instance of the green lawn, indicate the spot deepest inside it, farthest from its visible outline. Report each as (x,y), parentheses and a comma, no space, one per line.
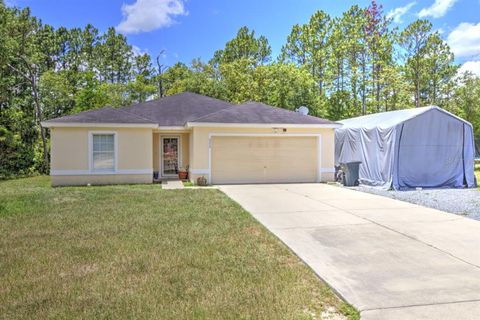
(123,252)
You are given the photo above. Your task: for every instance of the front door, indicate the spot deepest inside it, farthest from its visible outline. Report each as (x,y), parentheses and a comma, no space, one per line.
(170,160)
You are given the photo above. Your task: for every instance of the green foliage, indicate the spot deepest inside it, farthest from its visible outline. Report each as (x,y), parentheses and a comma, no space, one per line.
(244,46)
(428,66)
(56,91)
(373,69)
(286,86)
(140,90)
(90,94)
(200,78)
(440,71)
(340,105)
(309,46)
(282,85)
(175,76)
(47,73)
(16,158)
(339,67)
(115,63)
(465,102)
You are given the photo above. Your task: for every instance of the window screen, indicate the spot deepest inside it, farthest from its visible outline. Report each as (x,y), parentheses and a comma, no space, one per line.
(103,152)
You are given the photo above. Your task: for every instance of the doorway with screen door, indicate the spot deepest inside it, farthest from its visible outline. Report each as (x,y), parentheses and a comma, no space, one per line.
(170,160)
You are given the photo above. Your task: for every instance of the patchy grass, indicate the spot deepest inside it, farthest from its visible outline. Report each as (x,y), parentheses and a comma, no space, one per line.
(125,252)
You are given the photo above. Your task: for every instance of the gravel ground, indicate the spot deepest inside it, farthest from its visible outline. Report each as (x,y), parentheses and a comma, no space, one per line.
(464,202)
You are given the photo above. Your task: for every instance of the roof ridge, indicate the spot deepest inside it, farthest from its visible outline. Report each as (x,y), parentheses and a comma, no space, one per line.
(209,114)
(173,95)
(250,102)
(288,110)
(133,114)
(431,107)
(395,117)
(204,96)
(278,113)
(424,110)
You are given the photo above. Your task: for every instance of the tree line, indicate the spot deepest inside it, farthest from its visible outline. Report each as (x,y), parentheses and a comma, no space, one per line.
(339,67)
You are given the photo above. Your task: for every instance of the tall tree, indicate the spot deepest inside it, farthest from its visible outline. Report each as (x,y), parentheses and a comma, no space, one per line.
(114,56)
(414,41)
(173,79)
(27,63)
(90,39)
(244,46)
(440,71)
(466,102)
(379,42)
(428,63)
(354,22)
(143,87)
(309,45)
(347,60)
(160,78)
(17,128)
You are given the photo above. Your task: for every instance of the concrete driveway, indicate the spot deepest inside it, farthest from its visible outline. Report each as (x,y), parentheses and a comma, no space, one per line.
(390,259)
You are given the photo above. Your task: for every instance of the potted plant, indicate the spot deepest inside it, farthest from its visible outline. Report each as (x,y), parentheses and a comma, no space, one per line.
(183,173)
(202,181)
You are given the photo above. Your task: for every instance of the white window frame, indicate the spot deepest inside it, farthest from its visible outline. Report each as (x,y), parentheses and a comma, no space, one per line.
(179,157)
(90,152)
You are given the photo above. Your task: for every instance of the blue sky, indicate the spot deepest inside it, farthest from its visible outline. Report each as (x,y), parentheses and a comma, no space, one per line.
(187,29)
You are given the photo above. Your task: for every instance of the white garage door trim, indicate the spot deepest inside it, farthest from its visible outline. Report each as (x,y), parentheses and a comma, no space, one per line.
(275,135)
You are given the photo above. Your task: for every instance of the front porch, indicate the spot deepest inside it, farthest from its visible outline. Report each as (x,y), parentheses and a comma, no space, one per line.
(171,153)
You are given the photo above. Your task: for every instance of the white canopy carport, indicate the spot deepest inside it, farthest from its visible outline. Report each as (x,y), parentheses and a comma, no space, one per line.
(422,147)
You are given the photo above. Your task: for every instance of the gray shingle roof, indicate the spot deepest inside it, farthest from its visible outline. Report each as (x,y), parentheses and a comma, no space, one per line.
(256,112)
(103,115)
(177,110)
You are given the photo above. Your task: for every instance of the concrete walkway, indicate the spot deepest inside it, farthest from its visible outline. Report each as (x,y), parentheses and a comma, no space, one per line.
(172,184)
(390,259)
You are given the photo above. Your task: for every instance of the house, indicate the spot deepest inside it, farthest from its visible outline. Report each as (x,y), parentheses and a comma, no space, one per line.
(225,143)
(422,147)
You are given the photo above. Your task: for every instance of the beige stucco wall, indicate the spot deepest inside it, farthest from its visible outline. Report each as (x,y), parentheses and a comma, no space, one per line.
(70,154)
(156,151)
(200,146)
(139,150)
(184,143)
(68,149)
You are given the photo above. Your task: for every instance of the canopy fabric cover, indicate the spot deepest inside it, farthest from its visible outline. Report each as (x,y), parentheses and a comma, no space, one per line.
(405,149)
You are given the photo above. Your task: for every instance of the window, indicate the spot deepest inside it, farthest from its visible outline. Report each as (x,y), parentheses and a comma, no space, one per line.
(103,151)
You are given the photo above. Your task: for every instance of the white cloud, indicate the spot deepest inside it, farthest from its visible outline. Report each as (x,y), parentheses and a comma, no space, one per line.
(464,40)
(397,13)
(471,66)
(10,3)
(148,15)
(137,51)
(438,9)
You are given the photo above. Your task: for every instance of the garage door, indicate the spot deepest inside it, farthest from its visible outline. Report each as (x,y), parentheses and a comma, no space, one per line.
(263,159)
